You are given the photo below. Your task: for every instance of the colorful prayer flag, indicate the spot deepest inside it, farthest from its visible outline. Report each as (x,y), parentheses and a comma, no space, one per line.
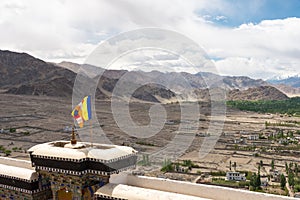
(83,112)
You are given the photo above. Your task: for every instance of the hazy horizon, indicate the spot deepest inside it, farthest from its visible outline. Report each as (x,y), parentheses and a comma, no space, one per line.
(255,39)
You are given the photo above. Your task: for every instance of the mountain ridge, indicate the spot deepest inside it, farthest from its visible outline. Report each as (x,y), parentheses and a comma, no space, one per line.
(24,74)
(293,81)
(289,85)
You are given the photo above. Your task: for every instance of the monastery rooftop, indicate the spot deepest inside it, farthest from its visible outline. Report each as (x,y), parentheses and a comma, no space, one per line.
(17,169)
(81,150)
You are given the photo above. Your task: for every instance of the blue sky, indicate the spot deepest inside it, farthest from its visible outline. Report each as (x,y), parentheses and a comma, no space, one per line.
(255,38)
(237,12)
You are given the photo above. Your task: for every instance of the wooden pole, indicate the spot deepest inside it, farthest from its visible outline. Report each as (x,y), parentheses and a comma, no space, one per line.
(91,128)
(91,133)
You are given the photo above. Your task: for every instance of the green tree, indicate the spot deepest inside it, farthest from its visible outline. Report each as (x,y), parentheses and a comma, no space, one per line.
(291,179)
(291,165)
(12,130)
(282,181)
(258,181)
(267,124)
(273,164)
(167,166)
(255,181)
(7,152)
(297,188)
(249,175)
(187,163)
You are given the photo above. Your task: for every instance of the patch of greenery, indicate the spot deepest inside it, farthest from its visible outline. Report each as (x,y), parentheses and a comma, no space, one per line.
(290,106)
(15,148)
(145,161)
(26,133)
(189,164)
(219,173)
(167,166)
(237,184)
(282,181)
(145,143)
(12,130)
(285,124)
(255,182)
(7,152)
(297,188)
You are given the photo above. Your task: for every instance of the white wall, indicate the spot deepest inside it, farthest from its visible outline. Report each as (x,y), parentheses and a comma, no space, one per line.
(199,190)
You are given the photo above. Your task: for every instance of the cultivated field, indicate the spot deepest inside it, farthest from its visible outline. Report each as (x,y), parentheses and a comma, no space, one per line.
(42,119)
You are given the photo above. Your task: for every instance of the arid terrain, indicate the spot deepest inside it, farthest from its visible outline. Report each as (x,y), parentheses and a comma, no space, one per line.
(40,119)
(36,106)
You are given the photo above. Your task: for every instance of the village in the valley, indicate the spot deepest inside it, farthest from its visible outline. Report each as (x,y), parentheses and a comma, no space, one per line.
(257,152)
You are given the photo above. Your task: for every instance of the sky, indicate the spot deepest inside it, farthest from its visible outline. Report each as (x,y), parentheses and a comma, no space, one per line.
(257,38)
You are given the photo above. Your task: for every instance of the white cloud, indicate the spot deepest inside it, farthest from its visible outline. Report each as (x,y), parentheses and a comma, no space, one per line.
(239,66)
(220,18)
(261,50)
(66,30)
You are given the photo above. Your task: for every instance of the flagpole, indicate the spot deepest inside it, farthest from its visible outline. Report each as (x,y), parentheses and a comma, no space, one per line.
(91,128)
(91,133)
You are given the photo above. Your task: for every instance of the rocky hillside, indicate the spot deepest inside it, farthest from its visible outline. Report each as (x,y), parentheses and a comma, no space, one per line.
(290,86)
(23,74)
(258,93)
(288,90)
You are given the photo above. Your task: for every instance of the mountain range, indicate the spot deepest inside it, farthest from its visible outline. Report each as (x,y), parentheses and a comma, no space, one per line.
(23,74)
(289,85)
(293,81)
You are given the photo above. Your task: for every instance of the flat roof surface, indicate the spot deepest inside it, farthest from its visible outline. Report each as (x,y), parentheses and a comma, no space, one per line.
(63,149)
(13,168)
(16,162)
(139,193)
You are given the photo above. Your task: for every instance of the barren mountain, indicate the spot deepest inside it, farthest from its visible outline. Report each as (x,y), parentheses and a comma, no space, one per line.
(288,90)
(176,81)
(23,74)
(258,93)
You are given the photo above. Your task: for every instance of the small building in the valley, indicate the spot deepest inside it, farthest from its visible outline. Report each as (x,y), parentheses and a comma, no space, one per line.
(264,181)
(253,137)
(275,175)
(240,140)
(4,131)
(235,176)
(64,170)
